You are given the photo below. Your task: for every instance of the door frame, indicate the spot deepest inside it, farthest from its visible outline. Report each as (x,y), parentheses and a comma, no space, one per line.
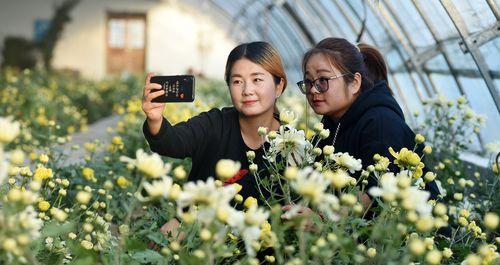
(126,15)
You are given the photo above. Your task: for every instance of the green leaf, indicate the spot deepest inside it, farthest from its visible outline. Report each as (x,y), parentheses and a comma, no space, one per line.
(148,256)
(158,238)
(53,228)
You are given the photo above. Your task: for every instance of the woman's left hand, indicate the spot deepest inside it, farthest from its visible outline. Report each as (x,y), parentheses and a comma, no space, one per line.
(305,212)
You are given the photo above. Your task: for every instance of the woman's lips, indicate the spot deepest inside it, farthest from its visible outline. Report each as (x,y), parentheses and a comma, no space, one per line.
(317,102)
(249,102)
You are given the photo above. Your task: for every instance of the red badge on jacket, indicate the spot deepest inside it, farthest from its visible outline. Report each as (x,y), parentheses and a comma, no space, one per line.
(236,177)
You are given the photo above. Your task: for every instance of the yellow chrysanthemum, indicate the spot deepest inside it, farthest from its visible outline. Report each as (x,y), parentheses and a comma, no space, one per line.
(249,202)
(122,182)
(43,206)
(42,173)
(88,174)
(405,157)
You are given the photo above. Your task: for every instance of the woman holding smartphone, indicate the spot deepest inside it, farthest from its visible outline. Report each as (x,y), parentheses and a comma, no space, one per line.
(256,78)
(348,85)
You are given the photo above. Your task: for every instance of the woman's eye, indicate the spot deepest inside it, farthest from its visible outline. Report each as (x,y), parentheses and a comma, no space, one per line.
(257,80)
(323,80)
(236,82)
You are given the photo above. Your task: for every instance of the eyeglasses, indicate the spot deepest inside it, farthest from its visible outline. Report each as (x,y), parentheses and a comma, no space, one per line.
(305,86)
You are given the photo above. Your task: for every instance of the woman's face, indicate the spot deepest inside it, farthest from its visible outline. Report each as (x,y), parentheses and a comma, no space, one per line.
(252,88)
(339,96)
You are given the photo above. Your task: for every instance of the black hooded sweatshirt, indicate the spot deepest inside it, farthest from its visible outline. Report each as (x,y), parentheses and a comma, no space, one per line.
(372,124)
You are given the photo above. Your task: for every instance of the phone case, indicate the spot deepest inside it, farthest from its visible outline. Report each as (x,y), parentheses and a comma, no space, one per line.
(178,88)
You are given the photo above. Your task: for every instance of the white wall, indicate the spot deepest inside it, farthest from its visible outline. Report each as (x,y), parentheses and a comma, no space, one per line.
(173,35)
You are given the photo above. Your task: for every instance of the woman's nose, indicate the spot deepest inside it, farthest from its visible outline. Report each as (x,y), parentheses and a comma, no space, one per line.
(314,89)
(247,89)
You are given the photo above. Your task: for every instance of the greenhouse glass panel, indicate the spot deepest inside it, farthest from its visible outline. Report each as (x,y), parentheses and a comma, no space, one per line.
(489,50)
(341,23)
(482,103)
(372,23)
(413,25)
(446,85)
(297,37)
(440,19)
(405,82)
(355,20)
(310,19)
(419,35)
(442,78)
(477,15)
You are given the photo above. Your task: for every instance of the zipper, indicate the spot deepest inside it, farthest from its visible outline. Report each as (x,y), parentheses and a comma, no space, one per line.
(335,136)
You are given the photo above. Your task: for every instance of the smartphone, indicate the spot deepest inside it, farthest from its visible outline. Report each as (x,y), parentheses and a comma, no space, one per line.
(178,88)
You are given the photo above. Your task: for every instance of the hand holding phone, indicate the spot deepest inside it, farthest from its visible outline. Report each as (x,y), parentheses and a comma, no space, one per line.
(153,111)
(177,88)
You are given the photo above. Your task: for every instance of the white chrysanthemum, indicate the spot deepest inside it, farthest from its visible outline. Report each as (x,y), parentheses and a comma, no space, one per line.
(10,129)
(255,216)
(226,168)
(293,103)
(157,189)
(467,205)
(416,199)
(291,144)
(151,165)
(206,196)
(310,184)
(206,193)
(250,229)
(388,189)
(346,161)
(29,221)
(287,116)
(250,235)
(329,205)
(236,219)
(441,190)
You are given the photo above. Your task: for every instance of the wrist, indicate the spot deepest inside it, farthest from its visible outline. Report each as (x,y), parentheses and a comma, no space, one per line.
(154,126)
(154,121)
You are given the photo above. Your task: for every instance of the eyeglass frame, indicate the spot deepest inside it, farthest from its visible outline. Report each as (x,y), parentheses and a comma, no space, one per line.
(317,86)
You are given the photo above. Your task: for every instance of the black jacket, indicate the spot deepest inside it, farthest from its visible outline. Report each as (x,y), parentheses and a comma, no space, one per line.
(207,138)
(372,124)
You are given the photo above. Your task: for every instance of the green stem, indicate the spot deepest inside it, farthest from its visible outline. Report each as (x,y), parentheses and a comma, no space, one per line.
(255,175)
(127,222)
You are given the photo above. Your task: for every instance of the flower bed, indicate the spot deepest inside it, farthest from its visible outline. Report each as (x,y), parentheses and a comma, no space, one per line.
(109,209)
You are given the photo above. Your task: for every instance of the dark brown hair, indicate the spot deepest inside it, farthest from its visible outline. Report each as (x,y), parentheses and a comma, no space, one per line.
(261,53)
(343,55)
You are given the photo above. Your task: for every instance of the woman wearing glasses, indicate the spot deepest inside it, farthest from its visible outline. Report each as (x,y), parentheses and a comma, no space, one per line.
(348,85)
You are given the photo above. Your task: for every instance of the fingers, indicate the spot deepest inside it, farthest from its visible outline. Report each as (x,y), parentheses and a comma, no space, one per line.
(149,96)
(148,77)
(154,95)
(156,105)
(302,211)
(149,87)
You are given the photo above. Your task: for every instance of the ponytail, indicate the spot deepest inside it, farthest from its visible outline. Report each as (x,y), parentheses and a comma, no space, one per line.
(375,64)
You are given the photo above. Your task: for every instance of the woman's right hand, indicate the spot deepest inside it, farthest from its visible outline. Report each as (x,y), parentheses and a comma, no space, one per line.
(171,230)
(153,110)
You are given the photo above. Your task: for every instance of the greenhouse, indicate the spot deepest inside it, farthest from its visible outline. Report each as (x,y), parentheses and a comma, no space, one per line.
(250,132)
